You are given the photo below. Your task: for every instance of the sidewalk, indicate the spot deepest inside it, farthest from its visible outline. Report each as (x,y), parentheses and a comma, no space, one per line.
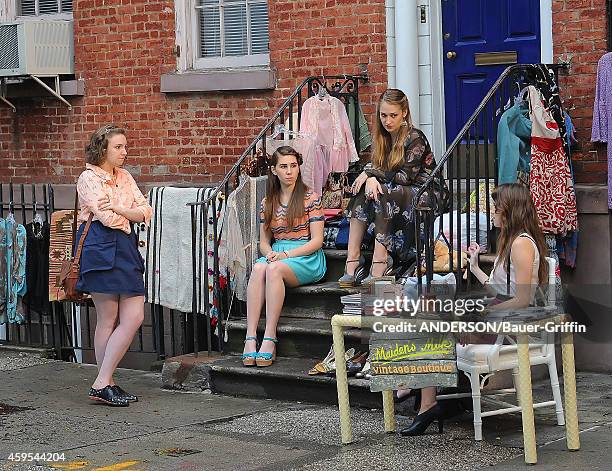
(170,430)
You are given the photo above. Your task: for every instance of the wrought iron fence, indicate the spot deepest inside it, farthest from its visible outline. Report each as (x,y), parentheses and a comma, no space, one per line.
(67,328)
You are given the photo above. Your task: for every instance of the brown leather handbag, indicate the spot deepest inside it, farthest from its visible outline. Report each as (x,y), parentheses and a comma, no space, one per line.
(70,270)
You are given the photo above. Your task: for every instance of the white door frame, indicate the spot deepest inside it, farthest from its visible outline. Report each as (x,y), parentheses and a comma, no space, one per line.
(437,66)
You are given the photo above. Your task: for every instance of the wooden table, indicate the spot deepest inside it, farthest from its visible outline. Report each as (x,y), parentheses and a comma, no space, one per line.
(537,317)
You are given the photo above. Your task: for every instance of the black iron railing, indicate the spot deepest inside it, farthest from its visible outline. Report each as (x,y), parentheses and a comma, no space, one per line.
(64,327)
(468,166)
(344,87)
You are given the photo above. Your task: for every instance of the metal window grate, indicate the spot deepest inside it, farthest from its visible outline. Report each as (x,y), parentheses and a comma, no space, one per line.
(44,7)
(9,50)
(232,27)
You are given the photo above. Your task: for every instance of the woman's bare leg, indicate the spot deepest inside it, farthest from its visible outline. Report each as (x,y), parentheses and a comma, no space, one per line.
(380,255)
(428,399)
(256,297)
(131,315)
(357,230)
(107,312)
(278,275)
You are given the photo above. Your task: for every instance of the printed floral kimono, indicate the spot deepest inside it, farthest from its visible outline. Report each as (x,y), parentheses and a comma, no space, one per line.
(391,219)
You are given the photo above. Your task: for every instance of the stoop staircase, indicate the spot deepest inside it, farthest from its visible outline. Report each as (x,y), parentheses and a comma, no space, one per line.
(305,337)
(304,330)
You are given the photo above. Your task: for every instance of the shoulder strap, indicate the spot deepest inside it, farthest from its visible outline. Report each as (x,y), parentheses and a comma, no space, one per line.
(77,257)
(74,219)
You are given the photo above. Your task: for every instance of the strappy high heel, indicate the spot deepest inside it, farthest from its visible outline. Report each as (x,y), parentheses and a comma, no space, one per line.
(349,281)
(387,273)
(266,359)
(250,358)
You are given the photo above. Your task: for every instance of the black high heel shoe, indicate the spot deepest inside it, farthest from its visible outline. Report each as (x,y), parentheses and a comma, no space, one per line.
(424,420)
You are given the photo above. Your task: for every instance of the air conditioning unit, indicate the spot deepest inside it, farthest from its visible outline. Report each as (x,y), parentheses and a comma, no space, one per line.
(36,47)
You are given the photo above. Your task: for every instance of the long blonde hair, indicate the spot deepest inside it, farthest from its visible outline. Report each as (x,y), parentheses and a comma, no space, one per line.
(518,214)
(389,155)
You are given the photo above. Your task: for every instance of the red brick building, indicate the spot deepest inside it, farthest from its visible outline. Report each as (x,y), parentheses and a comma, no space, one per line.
(123,49)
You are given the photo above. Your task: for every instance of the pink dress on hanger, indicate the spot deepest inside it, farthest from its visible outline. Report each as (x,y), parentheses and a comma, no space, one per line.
(332,147)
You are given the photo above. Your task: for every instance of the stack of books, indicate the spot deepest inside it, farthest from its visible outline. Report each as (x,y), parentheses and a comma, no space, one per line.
(351,304)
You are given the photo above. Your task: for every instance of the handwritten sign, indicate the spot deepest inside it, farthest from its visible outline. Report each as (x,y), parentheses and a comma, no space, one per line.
(412,360)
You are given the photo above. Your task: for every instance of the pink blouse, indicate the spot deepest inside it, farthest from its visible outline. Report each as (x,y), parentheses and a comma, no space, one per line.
(95,183)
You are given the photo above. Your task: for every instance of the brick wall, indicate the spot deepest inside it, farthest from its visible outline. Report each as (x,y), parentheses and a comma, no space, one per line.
(121,51)
(579,34)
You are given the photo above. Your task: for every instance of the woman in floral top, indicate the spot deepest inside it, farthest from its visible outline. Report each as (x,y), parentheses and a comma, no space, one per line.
(384,192)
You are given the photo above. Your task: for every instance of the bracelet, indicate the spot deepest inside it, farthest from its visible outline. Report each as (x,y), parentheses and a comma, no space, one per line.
(286,254)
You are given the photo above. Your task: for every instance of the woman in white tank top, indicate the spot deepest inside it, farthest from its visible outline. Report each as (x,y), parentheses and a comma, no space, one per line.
(521,247)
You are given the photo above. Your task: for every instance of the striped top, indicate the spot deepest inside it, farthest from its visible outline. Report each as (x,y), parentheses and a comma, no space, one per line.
(313,212)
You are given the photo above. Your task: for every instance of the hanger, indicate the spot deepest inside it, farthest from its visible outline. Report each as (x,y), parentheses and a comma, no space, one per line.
(282,129)
(520,98)
(37,224)
(11,216)
(322,93)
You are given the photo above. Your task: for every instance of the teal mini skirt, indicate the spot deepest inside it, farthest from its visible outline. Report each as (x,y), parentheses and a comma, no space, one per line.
(308,268)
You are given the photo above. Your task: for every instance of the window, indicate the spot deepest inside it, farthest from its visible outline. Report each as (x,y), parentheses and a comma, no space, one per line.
(230,33)
(43,7)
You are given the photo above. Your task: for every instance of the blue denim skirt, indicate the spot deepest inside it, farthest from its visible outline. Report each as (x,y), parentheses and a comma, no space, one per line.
(110,262)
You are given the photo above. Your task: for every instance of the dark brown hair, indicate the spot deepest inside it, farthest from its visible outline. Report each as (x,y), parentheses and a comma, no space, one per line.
(95,151)
(515,206)
(389,155)
(295,208)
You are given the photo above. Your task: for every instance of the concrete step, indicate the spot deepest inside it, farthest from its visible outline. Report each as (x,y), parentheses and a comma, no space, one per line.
(286,379)
(298,337)
(318,301)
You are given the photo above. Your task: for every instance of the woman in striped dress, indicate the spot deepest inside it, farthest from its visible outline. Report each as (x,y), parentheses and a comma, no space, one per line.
(291,237)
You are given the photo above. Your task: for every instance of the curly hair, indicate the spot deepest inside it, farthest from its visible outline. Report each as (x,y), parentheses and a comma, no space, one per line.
(95,151)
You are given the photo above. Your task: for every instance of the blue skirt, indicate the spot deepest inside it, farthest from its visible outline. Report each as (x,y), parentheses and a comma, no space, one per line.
(308,268)
(110,262)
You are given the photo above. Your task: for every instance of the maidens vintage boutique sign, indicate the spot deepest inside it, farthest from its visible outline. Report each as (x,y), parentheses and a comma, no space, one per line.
(412,360)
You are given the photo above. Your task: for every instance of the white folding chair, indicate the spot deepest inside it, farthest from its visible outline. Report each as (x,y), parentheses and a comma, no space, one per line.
(479,362)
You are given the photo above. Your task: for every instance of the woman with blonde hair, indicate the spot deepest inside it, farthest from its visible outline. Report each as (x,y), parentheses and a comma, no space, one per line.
(384,192)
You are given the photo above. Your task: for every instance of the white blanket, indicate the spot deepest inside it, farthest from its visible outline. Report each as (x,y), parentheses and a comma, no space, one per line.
(167,249)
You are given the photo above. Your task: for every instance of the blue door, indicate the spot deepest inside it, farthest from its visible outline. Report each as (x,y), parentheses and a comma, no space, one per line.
(481,38)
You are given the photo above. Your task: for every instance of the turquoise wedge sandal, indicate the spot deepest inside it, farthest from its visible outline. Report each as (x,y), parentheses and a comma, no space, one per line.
(266,359)
(249,359)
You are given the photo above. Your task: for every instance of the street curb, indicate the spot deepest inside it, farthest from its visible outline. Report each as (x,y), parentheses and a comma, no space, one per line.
(48,353)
